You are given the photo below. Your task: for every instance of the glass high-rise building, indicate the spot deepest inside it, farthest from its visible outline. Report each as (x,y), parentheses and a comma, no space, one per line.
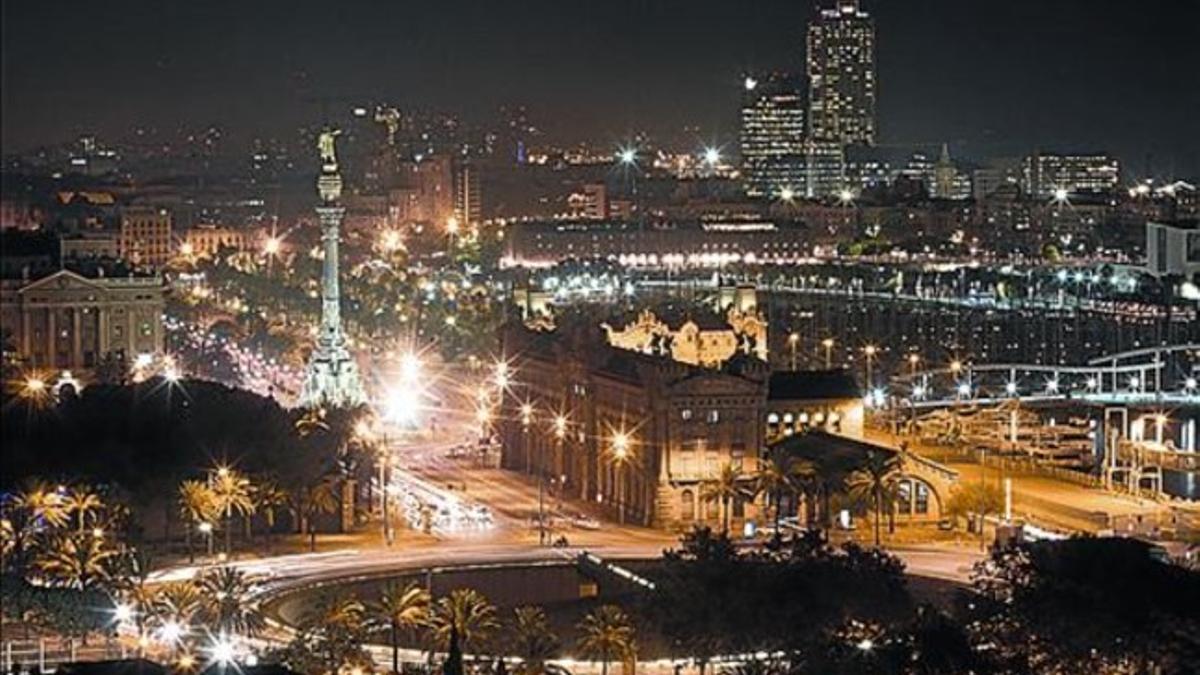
(841,75)
(772,137)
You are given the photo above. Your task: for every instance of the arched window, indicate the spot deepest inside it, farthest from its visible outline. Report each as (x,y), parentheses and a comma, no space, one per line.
(921,503)
(712,509)
(687,506)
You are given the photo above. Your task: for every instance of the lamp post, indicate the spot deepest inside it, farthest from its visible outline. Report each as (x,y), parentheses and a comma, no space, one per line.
(869,351)
(793,341)
(206,529)
(526,420)
(827,343)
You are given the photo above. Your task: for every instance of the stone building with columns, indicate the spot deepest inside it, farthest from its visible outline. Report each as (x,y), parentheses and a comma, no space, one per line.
(68,320)
(644,434)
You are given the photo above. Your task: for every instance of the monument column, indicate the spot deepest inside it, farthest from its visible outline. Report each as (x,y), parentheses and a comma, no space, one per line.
(332,377)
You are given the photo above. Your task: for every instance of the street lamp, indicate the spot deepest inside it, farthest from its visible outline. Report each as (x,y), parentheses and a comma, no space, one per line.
(621,444)
(34,389)
(913,360)
(793,341)
(526,421)
(206,529)
(869,351)
(452,229)
(827,343)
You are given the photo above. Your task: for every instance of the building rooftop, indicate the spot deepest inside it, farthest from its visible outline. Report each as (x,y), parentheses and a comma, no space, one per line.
(789,385)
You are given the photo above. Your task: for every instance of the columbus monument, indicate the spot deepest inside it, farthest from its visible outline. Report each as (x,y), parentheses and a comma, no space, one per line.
(332,379)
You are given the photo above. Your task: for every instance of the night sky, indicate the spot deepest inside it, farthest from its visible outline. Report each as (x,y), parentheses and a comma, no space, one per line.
(990,77)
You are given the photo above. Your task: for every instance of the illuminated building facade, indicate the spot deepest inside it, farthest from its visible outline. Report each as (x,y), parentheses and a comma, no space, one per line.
(146,235)
(644,434)
(709,243)
(206,240)
(66,320)
(824,169)
(772,137)
(841,75)
(804,400)
(1046,173)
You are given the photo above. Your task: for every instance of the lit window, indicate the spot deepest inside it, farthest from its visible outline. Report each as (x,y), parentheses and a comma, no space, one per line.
(714,416)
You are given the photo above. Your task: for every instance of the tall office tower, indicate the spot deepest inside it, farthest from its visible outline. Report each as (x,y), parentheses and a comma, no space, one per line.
(841,75)
(1044,174)
(468,194)
(772,137)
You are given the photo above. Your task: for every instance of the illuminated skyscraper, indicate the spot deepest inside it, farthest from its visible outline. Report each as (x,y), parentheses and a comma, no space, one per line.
(772,137)
(841,75)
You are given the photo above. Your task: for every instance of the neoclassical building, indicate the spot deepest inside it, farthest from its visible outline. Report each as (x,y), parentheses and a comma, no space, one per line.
(68,321)
(644,433)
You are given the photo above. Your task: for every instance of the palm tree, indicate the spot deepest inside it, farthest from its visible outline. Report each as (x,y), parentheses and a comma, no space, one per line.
(311,501)
(197,504)
(606,632)
(724,489)
(402,609)
(780,475)
(229,605)
(178,601)
(875,482)
(311,421)
(76,560)
(533,640)
(268,499)
(81,501)
(43,502)
(466,612)
(234,493)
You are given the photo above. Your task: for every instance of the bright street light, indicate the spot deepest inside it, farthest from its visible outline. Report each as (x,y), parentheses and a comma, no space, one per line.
(787,194)
(410,367)
(222,651)
(34,387)
(170,632)
(627,156)
(620,445)
(712,156)
(122,613)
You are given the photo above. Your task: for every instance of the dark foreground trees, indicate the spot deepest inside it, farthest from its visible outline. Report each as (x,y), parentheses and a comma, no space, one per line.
(1079,606)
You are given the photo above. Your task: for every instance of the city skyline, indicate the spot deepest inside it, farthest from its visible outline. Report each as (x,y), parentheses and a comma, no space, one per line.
(1059,77)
